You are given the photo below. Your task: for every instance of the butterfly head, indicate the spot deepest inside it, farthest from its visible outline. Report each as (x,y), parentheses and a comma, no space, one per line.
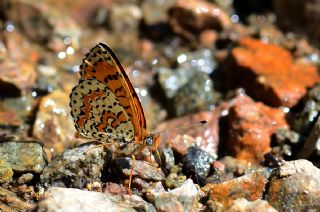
(152,141)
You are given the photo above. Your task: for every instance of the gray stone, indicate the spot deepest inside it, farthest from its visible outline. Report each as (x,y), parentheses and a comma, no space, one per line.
(184,198)
(75,167)
(23,157)
(70,199)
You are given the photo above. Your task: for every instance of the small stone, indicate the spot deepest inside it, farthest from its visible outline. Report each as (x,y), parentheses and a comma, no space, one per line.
(70,199)
(142,169)
(184,198)
(276,78)
(23,157)
(197,162)
(75,167)
(167,159)
(295,186)
(250,186)
(6,172)
(155,11)
(251,126)
(174,181)
(25,178)
(114,188)
(11,202)
(242,205)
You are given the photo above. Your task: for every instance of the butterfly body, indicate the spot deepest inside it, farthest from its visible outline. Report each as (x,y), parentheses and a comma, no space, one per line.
(105,106)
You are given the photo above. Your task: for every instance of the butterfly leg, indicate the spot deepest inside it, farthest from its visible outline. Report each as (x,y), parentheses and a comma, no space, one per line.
(131,172)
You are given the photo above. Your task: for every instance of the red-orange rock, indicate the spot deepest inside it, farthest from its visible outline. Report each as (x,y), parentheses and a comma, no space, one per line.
(269,73)
(249,186)
(251,126)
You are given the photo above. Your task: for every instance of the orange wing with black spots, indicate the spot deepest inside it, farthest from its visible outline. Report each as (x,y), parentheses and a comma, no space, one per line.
(120,112)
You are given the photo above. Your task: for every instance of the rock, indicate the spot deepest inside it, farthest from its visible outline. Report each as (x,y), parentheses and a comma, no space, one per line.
(251,126)
(188,89)
(142,169)
(23,157)
(295,186)
(25,178)
(16,77)
(114,188)
(11,202)
(201,60)
(6,172)
(174,181)
(276,78)
(156,12)
(197,162)
(184,198)
(9,119)
(125,17)
(242,205)
(189,18)
(300,17)
(75,167)
(54,125)
(70,199)
(167,159)
(250,187)
(206,136)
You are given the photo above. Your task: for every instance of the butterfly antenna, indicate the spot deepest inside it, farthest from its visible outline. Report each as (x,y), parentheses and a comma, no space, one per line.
(182,126)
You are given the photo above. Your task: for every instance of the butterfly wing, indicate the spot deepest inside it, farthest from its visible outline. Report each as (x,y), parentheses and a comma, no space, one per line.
(103,67)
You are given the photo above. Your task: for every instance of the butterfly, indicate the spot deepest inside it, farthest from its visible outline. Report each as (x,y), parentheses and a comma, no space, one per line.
(105,106)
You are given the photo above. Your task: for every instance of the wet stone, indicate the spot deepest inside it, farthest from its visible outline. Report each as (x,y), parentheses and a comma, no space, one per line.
(250,187)
(142,169)
(70,199)
(278,79)
(295,186)
(23,157)
(251,126)
(9,201)
(75,167)
(197,162)
(184,198)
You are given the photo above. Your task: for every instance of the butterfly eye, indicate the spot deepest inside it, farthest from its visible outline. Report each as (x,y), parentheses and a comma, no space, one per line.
(149,141)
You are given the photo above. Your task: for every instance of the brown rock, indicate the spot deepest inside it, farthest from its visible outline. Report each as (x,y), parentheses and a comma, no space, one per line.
(53,125)
(16,77)
(9,118)
(250,187)
(268,73)
(251,126)
(189,18)
(295,186)
(206,136)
